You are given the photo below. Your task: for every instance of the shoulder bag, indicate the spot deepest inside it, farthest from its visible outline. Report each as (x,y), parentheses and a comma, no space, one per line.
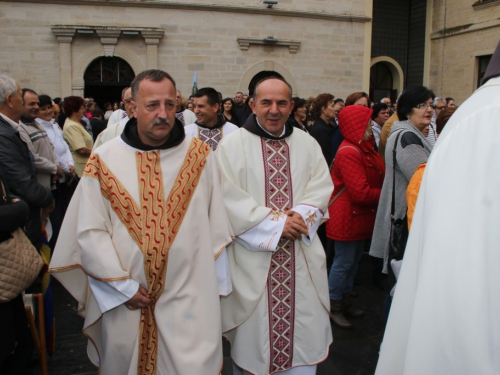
(399,226)
(20,263)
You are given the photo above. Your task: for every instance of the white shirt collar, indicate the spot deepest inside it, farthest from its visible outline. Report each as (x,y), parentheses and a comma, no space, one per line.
(12,123)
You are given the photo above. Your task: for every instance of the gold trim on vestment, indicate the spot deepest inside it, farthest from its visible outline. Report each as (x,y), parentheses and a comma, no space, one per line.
(163,219)
(66,268)
(120,200)
(222,248)
(152,225)
(96,349)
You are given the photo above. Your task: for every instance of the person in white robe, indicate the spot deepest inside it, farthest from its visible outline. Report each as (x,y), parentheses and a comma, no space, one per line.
(445,314)
(210,126)
(276,190)
(119,114)
(114,129)
(139,240)
(185,116)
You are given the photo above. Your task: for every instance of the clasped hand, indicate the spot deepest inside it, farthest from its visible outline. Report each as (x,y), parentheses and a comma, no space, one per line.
(140,300)
(295,226)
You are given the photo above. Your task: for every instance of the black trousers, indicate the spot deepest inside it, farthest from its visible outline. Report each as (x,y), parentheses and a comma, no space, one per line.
(16,343)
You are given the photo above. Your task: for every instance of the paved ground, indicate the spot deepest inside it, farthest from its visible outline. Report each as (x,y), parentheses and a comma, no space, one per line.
(353,352)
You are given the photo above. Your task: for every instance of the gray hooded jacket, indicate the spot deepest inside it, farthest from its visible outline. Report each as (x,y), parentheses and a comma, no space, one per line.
(412,150)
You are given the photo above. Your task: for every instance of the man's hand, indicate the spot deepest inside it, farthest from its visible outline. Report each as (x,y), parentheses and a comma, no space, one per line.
(70,175)
(140,300)
(294,226)
(58,175)
(60,172)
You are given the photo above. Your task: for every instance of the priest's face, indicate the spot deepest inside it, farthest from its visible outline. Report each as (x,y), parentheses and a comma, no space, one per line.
(272,105)
(154,108)
(206,114)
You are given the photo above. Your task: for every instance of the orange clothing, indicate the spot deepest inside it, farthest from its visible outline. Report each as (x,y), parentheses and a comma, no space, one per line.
(412,192)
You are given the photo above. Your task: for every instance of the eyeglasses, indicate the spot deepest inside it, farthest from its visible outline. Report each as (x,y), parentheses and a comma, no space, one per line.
(440,107)
(425,106)
(127,100)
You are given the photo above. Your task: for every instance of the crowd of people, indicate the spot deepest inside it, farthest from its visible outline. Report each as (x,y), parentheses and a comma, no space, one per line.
(285,193)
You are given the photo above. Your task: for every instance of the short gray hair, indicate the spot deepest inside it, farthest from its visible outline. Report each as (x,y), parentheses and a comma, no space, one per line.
(8,86)
(124,91)
(438,99)
(154,75)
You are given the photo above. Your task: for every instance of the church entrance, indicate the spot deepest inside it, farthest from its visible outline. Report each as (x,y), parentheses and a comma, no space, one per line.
(105,78)
(382,83)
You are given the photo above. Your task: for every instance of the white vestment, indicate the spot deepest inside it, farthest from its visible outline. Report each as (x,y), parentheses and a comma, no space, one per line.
(117,116)
(211,137)
(110,218)
(186,117)
(111,131)
(277,317)
(445,316)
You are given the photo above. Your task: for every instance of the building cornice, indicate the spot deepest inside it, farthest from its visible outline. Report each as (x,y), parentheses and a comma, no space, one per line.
(293,45)
(485,4)
(204,7)
(464,29)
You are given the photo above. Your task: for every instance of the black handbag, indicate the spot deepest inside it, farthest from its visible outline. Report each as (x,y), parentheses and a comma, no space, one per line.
(399,226)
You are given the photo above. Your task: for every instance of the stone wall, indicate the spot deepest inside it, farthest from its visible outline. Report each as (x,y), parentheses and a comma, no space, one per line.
(460,33)
(330,57)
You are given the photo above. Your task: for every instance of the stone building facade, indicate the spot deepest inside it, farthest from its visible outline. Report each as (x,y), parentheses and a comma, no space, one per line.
(318,46)
(464,34)
(378,46)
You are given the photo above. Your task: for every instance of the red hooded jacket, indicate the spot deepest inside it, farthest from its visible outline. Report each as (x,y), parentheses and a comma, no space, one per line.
(360,169)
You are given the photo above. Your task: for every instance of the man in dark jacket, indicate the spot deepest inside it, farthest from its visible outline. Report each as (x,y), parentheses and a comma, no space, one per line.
(16,162)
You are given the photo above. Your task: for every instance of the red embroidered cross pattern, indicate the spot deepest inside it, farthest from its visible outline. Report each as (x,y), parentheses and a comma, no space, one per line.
(281,278)
(211,137)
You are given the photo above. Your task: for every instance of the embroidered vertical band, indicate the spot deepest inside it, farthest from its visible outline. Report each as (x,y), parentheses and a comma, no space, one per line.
(281,277)
(163,220)
(153,224)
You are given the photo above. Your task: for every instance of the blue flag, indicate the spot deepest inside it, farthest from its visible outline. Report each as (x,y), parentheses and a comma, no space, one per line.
(195,83)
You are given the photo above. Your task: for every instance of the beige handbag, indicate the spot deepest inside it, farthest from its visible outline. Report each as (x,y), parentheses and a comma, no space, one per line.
(20,263)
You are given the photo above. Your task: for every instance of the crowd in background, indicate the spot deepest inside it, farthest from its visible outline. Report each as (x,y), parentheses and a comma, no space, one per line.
(373,150)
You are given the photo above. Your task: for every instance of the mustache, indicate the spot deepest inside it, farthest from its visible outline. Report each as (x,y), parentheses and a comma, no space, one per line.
(162,121)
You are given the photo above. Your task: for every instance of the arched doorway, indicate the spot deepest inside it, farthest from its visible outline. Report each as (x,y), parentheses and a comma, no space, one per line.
(105,78)
(381,83)
(265,66)
(386,79)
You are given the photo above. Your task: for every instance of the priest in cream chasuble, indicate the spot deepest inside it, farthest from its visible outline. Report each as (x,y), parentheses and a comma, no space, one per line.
(142,247)
(444,317)
(276,190)
(210,125)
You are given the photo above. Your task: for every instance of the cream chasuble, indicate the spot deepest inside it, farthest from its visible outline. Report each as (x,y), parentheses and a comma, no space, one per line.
(156,217)
(211,137)
(445,315)
(277,316)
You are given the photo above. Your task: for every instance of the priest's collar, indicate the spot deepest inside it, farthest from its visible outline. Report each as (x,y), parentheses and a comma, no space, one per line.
(131,137)
(221,120)
(253,126)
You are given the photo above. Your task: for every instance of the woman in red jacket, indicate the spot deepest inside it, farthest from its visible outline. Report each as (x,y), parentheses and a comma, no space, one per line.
(357,174)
